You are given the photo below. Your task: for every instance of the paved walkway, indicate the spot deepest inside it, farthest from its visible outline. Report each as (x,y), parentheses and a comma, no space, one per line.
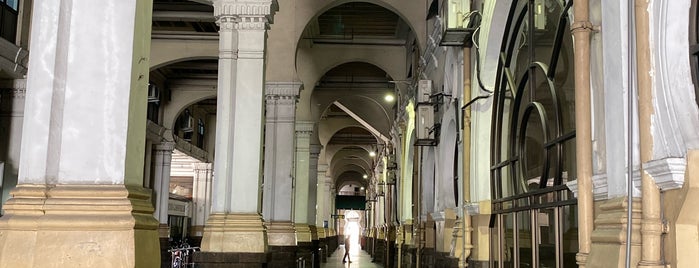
(360,259)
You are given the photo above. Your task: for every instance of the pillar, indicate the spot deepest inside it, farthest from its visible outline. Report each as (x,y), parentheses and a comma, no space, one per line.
(321,204)
(11,117)
(79,201)
(161,181)
(304,234)
(201,197)
(234,228)
(277,205)
(313,189)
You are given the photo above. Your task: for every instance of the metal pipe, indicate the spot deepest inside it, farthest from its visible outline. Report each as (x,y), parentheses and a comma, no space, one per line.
(629,163)
(581,29)
(466,244)
(651,225)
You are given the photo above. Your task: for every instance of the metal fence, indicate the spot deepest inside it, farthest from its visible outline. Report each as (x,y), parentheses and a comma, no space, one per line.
(181,257)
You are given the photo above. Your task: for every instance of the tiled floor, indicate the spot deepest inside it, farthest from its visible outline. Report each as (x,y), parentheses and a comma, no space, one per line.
(360,259)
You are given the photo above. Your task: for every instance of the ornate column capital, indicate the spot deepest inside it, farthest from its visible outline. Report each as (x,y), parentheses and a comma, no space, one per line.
(202,166)
(304,128)
(315,150)
(247,14)
(283,92)
(165,146)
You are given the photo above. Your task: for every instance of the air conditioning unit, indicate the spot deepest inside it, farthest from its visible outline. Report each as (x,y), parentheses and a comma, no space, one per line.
(153,93)
(424,91)
(187,124)
(425,122)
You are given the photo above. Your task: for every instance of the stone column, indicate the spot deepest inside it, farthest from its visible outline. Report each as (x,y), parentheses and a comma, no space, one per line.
(313,189)
(277,204)
(235,225)
(201,197)
(161,185)
(79,200)
(11,117)
(301,187)
(321,208)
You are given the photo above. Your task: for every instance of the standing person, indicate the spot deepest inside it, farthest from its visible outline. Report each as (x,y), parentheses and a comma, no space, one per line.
(347,249)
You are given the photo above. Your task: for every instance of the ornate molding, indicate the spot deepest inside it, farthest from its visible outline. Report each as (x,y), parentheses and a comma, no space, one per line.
(668,173)
(242,7)
(198,167)
(167,146)
(304,128)
(282,93)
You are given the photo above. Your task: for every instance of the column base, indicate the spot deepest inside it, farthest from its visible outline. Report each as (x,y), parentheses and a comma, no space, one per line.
(234,233)
(282,256)
(303,233)
(608,247)
(231,260)
(79,226)
(281,234)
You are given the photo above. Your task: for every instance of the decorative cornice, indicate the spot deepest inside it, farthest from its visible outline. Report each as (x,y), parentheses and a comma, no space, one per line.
(290,89)
(668,173)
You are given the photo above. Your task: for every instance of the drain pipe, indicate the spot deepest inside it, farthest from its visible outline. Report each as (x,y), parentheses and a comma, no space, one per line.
(651,225)
(629,161)
(466,244)
(581,30)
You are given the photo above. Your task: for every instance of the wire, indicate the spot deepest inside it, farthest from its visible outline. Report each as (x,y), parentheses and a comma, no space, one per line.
(475,40)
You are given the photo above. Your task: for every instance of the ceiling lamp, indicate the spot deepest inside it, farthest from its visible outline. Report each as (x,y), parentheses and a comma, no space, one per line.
(389,98)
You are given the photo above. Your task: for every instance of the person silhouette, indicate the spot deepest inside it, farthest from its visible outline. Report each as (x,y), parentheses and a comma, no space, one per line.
(347,249)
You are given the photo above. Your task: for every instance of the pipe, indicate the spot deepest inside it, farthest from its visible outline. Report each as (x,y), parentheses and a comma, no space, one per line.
(629,164)
(651,225)
(581,30)
(466,170)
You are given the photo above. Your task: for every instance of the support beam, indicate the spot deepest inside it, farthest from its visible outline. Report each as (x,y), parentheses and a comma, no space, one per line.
(363,122)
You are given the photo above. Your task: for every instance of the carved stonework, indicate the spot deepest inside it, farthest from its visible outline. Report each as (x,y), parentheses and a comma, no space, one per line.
(668,173)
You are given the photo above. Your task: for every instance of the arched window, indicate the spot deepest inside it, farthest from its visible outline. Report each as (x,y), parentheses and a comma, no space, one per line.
(533,139)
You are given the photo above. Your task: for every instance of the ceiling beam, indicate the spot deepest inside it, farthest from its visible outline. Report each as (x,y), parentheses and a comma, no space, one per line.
(362,122)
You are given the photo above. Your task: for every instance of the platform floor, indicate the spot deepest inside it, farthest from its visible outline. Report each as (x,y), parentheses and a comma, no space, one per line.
(360,259)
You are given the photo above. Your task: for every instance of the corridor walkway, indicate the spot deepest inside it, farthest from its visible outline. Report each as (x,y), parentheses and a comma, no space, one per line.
(360,259)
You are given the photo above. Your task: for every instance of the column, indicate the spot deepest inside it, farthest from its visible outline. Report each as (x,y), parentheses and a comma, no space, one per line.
(161,185)
(303,144)
(201,196)
(277,204)
(313,190)
(11,117)
(322,204)
(235,223)
(79,201)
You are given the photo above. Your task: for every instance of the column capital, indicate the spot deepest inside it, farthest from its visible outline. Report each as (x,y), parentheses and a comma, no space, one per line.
(247,14)
(165,146)
(304,127)
(322,168)
(16,88)
(283,91)
(202,166)
(315,150)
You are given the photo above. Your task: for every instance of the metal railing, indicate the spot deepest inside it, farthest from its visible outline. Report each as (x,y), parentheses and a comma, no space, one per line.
(181,257)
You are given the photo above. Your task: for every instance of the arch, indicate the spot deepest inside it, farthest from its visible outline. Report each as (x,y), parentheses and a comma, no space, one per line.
(413,16)
(676,115)
(427,172)
(164,52)
(444,186)
(180,101)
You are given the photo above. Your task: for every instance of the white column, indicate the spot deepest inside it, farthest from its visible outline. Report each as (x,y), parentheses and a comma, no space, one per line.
(235,223)
(321,203)
(201,196)
(277,204)
(161,181)
(83,141)
(301,187)
(313,190)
